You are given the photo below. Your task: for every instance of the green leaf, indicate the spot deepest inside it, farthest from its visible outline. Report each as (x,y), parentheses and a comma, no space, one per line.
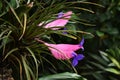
(104,56)
(115,61)
(14,3)
(63,76)
(10,52)
(112,70)
(100,34)
(26,68)
(34,60)
(15,14)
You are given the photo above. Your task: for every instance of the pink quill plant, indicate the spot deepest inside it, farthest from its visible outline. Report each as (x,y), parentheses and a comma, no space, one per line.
(66,51)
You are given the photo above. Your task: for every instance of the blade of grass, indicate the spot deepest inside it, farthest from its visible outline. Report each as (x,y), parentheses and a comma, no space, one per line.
(10,52)
(84,9)
(85,2)
(35,59)
(14,14)
(20,65)
(24,27)
(5,41)
(26,68)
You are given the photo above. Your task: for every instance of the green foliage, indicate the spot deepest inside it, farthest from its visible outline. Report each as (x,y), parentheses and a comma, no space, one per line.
(63,76)
(18,29)
(97,21)
(113,55)
(106,39)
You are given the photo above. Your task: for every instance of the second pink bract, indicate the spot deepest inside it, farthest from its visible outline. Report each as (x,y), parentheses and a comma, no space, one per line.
(63,51)
(60,22)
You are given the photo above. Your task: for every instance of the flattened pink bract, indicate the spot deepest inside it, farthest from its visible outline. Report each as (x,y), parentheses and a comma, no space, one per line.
(63,51)
(60,22)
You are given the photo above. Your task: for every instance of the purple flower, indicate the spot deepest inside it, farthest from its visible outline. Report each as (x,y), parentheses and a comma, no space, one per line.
(76,58)
(65,29)
(81,43)
(60,15)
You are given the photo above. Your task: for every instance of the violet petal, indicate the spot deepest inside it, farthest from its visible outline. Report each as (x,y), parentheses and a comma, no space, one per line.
(82,42)
(60,15)
(79,57)
(74,62)
(74,54)
(65,29)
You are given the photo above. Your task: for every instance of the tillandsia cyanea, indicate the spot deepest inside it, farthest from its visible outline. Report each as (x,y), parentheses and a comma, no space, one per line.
(60,22)
(66,51)
(63,51)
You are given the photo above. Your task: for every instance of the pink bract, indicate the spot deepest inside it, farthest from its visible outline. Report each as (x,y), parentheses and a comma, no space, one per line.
(58,23)
(63,51)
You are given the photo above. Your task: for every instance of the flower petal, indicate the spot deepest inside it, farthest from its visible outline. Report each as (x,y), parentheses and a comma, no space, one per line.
(74,54)
(74,62)
(82,42)
(65,29)
(60,15)
(79,57)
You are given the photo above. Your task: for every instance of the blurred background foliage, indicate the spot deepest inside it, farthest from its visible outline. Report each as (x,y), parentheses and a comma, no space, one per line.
(99,17)
(102,50)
